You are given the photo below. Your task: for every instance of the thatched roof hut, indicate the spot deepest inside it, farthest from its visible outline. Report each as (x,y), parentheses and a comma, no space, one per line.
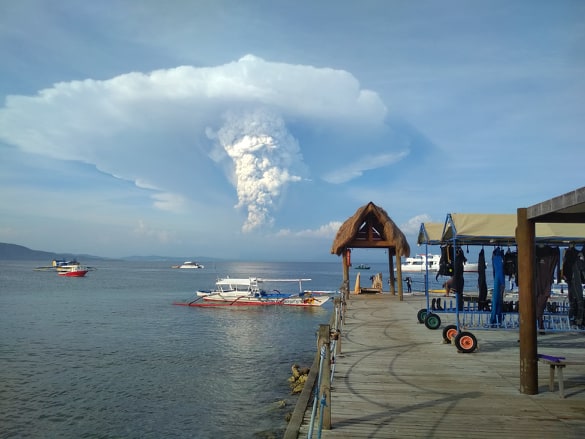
(371,227)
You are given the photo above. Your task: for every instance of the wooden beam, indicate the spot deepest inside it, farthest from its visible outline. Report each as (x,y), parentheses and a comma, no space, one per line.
(562,218)
(369,244)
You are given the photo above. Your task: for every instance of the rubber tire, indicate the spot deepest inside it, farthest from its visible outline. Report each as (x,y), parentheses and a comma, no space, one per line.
(466,342)
(421,315)
(449,332)
(432,321)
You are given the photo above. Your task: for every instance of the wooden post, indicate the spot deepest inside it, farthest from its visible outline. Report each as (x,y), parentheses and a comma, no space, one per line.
(527,313)
(325,413)
(339,311)
(391,278)
(399,275)
(345,268)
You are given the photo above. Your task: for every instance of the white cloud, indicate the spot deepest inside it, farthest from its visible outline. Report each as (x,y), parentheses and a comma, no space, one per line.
(364,163)
(160,236)
(328,230)
(412,226)
(170,131)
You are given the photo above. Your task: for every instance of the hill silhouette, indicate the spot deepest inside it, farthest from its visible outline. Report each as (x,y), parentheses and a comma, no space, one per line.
(21,253)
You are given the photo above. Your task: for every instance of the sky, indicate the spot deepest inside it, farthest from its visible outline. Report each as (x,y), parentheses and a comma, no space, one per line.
(253,130)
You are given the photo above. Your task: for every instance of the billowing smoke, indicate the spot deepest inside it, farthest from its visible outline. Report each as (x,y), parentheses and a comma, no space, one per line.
(264,160)
(127,126)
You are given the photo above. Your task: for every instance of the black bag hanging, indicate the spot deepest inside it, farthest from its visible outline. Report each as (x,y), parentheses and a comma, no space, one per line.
(446,261)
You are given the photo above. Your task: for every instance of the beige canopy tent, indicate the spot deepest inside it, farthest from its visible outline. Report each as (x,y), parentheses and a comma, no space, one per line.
(371,227)
(500,229)
(430,233)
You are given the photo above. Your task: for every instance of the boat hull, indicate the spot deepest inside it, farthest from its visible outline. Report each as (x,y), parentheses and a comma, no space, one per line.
(77,273)
(214,300)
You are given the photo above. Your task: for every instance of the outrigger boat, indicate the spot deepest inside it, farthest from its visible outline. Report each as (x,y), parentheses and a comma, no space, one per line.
(247,292)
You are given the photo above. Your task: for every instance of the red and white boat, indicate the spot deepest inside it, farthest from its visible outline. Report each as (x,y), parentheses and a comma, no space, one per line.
(72,270)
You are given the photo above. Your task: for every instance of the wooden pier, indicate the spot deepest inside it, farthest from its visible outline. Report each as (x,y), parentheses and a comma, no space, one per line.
(394,378)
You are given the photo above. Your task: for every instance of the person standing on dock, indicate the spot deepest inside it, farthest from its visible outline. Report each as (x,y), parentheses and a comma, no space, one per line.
(408,284)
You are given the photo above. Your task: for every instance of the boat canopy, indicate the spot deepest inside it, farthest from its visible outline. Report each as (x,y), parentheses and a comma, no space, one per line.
(500,229)
(235,281)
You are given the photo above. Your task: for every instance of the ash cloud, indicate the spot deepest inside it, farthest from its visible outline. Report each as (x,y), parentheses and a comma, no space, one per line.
(172,130)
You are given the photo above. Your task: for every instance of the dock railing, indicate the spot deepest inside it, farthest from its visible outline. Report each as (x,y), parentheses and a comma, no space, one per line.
(318,384)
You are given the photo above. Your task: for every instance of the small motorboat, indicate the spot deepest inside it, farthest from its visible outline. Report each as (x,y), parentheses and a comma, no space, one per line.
(74,270)
(189,265)
(362,267)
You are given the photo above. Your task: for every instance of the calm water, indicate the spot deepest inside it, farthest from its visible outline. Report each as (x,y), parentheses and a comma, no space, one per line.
(109,356)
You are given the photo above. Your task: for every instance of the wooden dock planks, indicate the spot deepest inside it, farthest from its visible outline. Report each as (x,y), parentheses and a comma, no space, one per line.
(397,379)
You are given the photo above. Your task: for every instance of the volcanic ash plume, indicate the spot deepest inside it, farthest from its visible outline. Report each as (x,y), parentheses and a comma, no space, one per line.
(264,156)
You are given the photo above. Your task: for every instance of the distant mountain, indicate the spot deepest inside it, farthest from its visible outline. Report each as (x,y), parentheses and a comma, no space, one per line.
(19,252)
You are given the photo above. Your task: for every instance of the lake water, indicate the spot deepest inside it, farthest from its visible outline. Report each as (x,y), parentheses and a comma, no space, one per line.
(110,356)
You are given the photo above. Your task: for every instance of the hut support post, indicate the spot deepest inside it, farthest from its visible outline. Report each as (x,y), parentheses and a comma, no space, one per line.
(527,312)
(345,264)
(391,278)
(399,275)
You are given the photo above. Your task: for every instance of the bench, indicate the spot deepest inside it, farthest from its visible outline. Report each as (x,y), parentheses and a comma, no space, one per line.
(557,364)
(370,291)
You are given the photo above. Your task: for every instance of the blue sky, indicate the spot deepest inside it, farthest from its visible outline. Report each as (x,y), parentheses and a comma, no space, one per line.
(252,130)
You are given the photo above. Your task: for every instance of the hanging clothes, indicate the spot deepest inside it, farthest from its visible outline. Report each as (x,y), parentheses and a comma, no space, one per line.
(459,280)
(511,267)
(547,259)
(499,285)
(481,282)
(574,274)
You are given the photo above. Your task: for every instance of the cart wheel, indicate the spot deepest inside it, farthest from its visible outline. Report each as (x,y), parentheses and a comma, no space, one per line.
(432,321)
(422,315)
(466,342)
(449,332)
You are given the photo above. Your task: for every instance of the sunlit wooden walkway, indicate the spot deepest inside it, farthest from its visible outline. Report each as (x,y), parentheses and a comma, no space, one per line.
(397,379)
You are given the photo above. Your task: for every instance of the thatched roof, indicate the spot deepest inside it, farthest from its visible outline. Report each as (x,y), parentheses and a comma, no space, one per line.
(370,227)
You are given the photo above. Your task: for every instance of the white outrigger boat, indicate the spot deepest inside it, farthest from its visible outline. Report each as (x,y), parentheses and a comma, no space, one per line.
(419,263)
(247,292)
